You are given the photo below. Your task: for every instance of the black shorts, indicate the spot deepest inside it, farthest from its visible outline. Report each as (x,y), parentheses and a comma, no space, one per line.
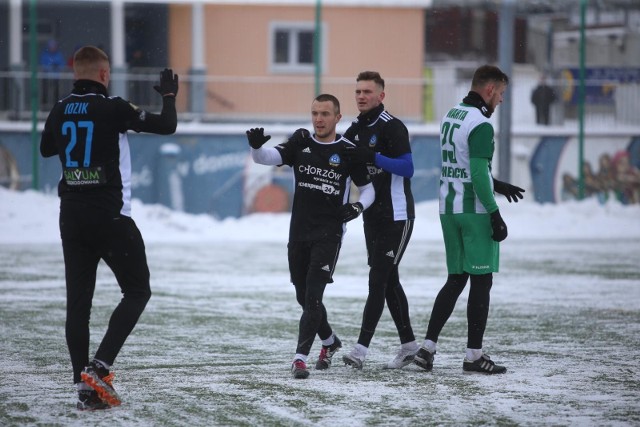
(317,258)
(90,234)
(387,242)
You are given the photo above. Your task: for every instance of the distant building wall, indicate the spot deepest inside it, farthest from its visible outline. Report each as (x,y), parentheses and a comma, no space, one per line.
(237,42)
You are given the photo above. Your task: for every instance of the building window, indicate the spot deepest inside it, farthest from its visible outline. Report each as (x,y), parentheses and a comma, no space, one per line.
(291,47)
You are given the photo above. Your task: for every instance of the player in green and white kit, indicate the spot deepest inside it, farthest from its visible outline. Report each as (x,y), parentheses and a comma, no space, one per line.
(470,219)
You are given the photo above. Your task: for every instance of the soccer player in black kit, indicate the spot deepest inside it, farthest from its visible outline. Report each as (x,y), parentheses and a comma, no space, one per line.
(87,130)
(320,209)
(383,144)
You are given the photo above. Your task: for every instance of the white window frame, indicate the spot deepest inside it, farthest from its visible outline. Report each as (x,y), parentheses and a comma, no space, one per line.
(292,66)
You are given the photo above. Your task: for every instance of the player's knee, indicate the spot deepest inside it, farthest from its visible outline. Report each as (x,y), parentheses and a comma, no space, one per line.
(457,280)
(377,286)
(482,280)
(319,275)
(142,296)
(300,294)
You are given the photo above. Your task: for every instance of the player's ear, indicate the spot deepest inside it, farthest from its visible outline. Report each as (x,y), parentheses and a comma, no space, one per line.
(491,88)
(105,75)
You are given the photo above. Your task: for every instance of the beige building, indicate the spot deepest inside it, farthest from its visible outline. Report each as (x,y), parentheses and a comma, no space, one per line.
(259,59)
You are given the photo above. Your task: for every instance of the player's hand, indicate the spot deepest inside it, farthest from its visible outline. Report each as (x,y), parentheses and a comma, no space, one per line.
(498,226)
(300,135)
(511,192)
(359,154)
(350,211)
(257,138)
(168,83)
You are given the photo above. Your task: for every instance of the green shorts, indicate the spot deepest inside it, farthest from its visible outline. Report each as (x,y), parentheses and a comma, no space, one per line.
(468,244)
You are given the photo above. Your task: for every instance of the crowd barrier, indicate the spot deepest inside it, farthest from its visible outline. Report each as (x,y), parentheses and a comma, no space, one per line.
(201,171)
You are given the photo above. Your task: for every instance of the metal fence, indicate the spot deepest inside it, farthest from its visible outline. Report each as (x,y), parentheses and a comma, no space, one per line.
(18,93)
(287,99)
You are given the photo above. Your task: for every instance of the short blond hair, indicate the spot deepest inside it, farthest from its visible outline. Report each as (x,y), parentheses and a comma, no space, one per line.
(88,61)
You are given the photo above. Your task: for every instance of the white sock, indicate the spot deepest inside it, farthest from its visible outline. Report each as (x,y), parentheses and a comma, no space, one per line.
(329,341)
(302,357)
(361,350)
(474,354)
(430,346)
(411,346)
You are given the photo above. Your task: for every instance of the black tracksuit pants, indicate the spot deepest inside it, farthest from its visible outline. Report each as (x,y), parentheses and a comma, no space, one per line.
(386,243)
(88,235)
(311,265)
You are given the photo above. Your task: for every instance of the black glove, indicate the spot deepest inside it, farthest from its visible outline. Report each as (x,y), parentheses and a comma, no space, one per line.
(498,226)
(511,192)
(300,135)
(168,83)
(257,138)
(350,211)
(359,154)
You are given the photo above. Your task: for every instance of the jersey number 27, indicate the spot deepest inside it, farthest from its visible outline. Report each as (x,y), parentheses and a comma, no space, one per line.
(71,129)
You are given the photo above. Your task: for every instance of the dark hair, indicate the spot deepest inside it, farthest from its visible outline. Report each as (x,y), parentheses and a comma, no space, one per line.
(324,97)
(487,74)
(371,75)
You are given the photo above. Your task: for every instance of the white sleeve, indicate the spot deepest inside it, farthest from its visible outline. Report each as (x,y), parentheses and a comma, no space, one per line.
(266,156)
(367,195)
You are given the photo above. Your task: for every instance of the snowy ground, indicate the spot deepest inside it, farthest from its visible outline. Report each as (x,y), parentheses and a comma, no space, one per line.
(215,343)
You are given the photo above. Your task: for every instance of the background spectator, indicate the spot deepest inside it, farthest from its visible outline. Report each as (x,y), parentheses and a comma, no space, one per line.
(51,62)
(542,97)
(51,59)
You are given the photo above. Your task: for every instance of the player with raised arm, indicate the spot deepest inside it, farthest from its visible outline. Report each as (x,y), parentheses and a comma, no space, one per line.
(87,130)
(320,210)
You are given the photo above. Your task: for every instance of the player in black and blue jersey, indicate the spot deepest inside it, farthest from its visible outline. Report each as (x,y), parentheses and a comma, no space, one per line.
(87,130)
(383,145)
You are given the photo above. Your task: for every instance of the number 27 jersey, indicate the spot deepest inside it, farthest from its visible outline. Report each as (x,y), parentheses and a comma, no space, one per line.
(88,131)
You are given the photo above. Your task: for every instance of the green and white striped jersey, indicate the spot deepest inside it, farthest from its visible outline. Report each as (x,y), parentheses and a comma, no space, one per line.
(464,133)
